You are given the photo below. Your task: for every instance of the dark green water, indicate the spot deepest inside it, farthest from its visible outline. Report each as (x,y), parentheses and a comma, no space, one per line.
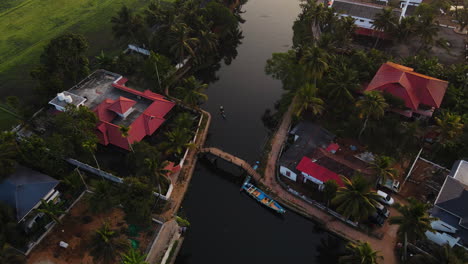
(228,226)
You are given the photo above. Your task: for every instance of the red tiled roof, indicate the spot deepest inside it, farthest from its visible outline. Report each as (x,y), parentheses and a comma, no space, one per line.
(121,105)
(145,124)
(318,172)
(102,111)
(413,88)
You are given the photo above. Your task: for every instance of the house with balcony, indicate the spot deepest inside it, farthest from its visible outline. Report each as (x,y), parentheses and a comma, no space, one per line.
(116,105)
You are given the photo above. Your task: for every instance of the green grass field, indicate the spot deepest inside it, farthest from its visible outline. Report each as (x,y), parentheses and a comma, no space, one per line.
(26,26)
(7,120)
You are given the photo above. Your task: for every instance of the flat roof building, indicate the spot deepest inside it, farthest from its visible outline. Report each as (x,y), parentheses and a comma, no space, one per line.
(117,105)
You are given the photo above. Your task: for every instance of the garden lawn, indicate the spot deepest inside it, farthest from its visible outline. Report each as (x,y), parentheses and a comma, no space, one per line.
(7,120)
(28,25)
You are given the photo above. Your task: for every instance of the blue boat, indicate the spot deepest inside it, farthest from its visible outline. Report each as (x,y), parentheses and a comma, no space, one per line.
(261,197)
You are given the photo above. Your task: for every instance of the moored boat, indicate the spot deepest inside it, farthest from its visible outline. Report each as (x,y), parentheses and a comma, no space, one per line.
(261,197)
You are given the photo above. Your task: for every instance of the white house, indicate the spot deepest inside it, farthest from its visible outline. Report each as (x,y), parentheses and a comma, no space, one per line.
(363,13)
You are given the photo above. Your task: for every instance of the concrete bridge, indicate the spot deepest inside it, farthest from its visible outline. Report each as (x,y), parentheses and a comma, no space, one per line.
(234,160)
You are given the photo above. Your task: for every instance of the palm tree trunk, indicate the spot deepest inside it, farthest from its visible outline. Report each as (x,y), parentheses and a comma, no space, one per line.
(157,198)
(405,247)
(376,41)
(363,127)
(130,145)
(95,160)
(82,179)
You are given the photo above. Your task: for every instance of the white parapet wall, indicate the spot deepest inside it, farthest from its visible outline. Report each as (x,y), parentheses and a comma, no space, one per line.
(288,173)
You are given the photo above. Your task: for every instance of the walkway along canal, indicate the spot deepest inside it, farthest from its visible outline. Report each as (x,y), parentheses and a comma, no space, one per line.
(227,226)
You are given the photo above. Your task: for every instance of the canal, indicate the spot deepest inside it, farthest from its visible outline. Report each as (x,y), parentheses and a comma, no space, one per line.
(228,226)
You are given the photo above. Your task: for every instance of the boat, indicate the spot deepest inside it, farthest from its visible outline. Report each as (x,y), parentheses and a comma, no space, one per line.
(261,197)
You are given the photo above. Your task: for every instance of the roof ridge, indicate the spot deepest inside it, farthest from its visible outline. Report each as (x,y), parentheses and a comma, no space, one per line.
(403,74)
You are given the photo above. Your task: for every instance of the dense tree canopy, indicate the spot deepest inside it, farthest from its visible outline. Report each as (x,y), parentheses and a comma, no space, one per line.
(63,63)
(137,200)
(8,154)
(355,200)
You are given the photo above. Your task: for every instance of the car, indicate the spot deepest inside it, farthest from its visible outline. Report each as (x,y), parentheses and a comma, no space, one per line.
(382,210)
(385,198)
(392,185)
(377,219)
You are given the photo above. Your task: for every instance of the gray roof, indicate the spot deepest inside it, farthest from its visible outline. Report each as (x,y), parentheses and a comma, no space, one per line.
(453,221)
(310,137)
(453,197)
(359,9)
(24,189)
(460,171)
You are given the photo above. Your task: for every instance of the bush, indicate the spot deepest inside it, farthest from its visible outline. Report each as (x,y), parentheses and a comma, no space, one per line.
(182,222)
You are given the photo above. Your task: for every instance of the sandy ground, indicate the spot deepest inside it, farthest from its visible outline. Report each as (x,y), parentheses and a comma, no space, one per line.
(76,231)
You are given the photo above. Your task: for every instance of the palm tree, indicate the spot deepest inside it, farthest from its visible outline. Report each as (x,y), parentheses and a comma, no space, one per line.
(126,25)
(124,131)
(360,253)
(52,210)
(345,31)
(413,222)
(178,139)
(383,167)
(8,154)
(329,190)
(104,61)
(315,61)
(184,120)
(372,105)
(158,171)
(450,126)
(181,41)
(104,197)
(91,146)
(342,84)
(316,14)
(355,200)
(405,29)
(208,41)
(10,256)
(192,91)
(385,21)
(306,100)
(133,256)
(440,254)
(427,30)
(106,244)
(74,181)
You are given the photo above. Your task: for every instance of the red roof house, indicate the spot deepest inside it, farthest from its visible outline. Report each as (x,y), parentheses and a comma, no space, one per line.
(316,173)
(113,114)
(116,105)
(413,88)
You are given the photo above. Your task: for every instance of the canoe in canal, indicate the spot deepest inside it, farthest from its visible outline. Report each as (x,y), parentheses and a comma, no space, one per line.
(261,197)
